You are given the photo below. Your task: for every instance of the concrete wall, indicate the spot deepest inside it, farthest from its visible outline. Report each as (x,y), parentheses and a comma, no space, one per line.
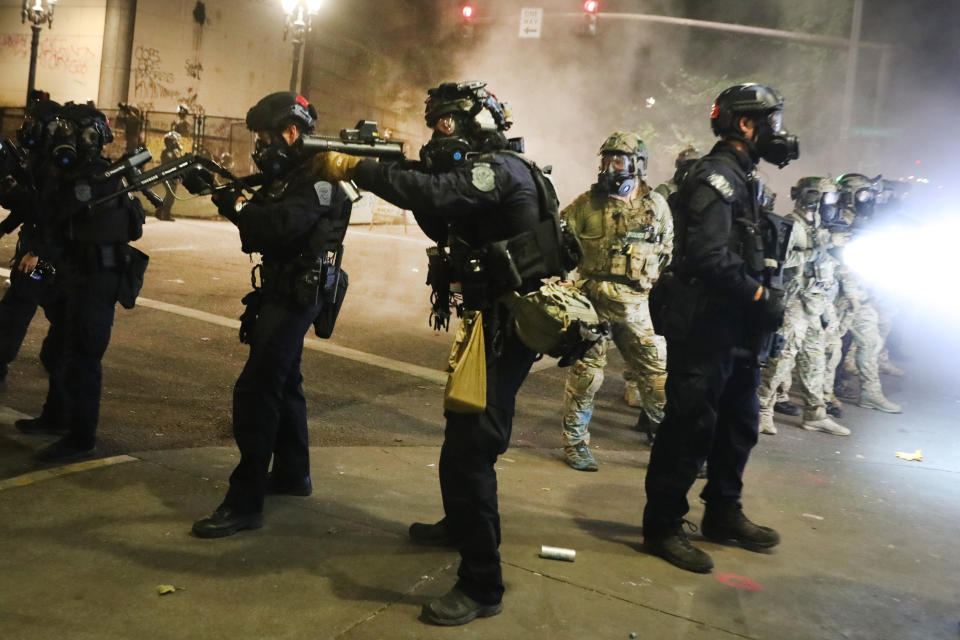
(224,66)
(68,60)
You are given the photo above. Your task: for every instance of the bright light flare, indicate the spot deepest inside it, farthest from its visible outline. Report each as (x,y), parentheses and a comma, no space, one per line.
(914,264)
(314,5)
(288,5)
(466,12)
(590,6)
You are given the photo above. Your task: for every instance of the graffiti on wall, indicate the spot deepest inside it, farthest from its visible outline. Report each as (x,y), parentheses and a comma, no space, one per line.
(52,53)
(150,81)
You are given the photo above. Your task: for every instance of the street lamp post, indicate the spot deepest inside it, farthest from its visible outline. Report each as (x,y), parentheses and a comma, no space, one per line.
(37,12)
(299,23)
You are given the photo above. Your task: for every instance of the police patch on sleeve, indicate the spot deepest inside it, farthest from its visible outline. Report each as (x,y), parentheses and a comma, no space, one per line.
(721,184)
(483,177)
(324,192)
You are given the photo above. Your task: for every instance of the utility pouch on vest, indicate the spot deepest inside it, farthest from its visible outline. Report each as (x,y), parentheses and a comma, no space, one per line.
(466,390)
(675,305)
(131,276)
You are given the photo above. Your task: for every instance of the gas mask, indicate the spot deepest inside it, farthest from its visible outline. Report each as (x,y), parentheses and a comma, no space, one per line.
(618,175)
(33,133)
(773,143)
(73,145)
(448,147)
(274,158)
(829,208)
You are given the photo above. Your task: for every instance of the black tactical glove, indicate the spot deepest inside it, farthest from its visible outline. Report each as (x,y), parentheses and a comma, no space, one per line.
(225,198)
(197,181)
(772,308)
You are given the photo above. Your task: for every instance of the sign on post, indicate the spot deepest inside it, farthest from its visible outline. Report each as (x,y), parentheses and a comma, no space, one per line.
(531,21)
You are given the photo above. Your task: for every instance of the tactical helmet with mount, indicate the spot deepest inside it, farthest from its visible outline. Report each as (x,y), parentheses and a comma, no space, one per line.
(463,102)
(273,114)
(621,181)
(815,196)
(764,106)
(858,193)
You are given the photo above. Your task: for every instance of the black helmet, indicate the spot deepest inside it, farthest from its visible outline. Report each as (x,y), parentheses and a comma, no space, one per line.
(763,105)
(275,111)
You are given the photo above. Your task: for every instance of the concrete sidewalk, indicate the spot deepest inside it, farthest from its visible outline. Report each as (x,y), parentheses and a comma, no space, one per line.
(86,551)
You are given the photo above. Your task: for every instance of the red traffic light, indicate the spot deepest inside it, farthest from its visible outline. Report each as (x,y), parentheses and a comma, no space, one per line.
(466,11)
(590,6)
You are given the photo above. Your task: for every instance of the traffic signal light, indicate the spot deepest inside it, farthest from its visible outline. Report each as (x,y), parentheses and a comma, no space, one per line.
(467,11)
(590,8)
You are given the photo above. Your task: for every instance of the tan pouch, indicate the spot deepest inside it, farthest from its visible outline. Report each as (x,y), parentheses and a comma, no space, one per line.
(466,390)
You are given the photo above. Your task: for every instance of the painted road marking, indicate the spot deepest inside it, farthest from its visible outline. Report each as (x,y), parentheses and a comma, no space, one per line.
(417,371)
(47,474)
(432,375)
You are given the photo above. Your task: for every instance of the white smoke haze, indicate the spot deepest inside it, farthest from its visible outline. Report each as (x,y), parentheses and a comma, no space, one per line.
(568,91)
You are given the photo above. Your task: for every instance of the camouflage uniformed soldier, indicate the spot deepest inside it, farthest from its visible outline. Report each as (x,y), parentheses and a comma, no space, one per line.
(803,332)
(627,236)
(858,196)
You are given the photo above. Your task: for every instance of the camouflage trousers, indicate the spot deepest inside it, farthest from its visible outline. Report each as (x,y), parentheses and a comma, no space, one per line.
(885,315)
(863,358)
(804,342)
(645,354)
(837,326)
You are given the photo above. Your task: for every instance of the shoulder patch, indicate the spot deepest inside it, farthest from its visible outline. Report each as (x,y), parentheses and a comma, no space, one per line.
(324,192)
(722,185)
(483,177)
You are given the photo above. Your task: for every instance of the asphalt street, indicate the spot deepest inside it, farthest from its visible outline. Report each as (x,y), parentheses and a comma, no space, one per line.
(868,537)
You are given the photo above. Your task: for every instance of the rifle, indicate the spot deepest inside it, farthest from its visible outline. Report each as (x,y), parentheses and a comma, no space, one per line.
(135,179)
(362,141)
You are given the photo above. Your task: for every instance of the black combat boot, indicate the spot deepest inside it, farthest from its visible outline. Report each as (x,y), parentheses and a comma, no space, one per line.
(434,535)
(455,608)
(277,485)
(41,426)
(834,410)
(787,408)
(672,545)
(226,521)
(64,451)
(647,427)
(725,521)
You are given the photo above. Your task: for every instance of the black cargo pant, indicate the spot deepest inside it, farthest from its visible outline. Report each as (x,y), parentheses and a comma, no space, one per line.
(468,481)
(80,310)
(17,308)
(711,415)
(269,409)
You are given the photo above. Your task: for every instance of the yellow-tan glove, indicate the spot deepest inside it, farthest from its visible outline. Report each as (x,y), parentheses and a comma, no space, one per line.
(334,167)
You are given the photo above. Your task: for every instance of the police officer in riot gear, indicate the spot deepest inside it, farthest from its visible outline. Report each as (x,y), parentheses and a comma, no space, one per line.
(718,311)
(285,222)
(18,194)
(172,149)
(467,194)
(94,270)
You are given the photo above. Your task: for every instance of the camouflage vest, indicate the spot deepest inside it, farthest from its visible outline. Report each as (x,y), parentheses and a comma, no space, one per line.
(622,241)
